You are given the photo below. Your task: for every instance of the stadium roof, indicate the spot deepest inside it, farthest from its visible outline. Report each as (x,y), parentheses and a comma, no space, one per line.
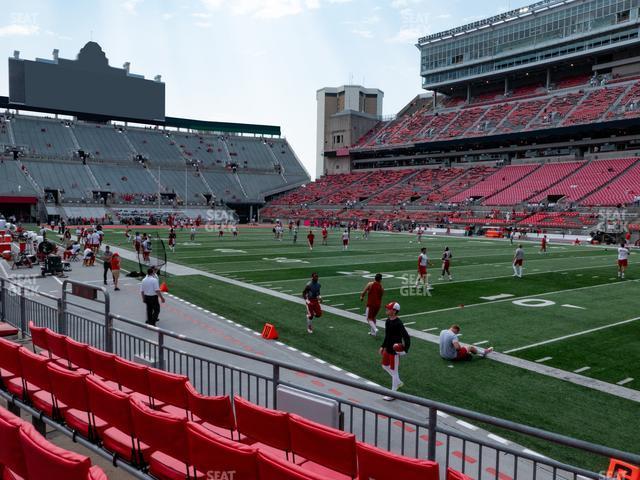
(492,21)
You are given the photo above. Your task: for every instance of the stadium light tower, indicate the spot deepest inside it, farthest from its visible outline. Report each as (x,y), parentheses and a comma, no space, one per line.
(16,54)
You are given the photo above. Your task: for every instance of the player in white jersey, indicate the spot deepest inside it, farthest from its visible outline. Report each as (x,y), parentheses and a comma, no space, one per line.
(423,262)
(345,240)
(419,233)
(623,259)
(518,260)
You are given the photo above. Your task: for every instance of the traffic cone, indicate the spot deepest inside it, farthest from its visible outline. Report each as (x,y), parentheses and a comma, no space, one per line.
(269,332)
(164,288)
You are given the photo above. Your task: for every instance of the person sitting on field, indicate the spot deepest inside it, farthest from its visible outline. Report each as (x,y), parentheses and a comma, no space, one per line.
(451,349)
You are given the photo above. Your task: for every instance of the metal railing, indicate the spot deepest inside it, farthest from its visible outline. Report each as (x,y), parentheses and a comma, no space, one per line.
(219,370)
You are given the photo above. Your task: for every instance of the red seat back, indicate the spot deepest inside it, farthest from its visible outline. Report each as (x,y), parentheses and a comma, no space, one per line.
(78,354)
(168,387)
(102,363)
(161,431)
(38,337)
(210,452)
(329,447)
(456,475)
(46,460)
(10,450)
(270,468)
(110,405)
(382,465)
(131,375)
(34,369)
(267,426)
(10,357)
(69,387)
(96,473)
(57,344)
(214,410)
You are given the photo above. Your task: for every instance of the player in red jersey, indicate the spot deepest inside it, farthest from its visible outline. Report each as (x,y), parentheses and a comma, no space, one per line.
(423,262)
(374,292)
(172,239)
(311,295)
(543,245)
(310,238)
(325,235)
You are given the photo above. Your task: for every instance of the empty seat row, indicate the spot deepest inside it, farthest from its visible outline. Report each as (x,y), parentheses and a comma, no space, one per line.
(149,417)
(27,455)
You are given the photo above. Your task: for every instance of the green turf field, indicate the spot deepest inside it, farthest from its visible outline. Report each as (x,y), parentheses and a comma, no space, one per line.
(567,314)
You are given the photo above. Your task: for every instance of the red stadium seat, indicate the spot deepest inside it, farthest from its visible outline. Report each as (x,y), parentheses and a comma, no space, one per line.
(11,456)
(10,369)
(78,355)
(266,429)
(324,450)
(133,379)
(46,460)
(166,436)
(37,384)
(39,339)
(456,475)
(213,413)
(103,365)
(70,388)
(382,465)
(271,468)
(112,407)
(170,389)
(8,330)
(57,348)
(210,452)
(96,473)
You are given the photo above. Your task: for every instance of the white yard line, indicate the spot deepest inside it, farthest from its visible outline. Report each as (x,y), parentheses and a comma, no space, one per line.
(543,359)
(577,334)
(583,369)
(520,298)
(625,381)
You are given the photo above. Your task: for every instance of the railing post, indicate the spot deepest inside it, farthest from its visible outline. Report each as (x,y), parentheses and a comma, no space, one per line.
(276,382)
(108,332)
(431,446)
(2,301)
(160,359)
(62,318)
(23,311)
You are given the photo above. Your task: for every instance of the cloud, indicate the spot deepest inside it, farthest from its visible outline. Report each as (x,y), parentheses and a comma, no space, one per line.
(201,15)
(362,33)
(19,30)
(269,9)
(202,24)
(130,6)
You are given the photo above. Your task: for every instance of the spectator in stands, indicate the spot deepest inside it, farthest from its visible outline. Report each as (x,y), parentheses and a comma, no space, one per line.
(451,349)
(151,293)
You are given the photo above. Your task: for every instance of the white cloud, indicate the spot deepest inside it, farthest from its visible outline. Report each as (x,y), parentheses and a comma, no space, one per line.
(267,8)
(201,15)
(362,33)
(130,6)
(19,30)
(202,24)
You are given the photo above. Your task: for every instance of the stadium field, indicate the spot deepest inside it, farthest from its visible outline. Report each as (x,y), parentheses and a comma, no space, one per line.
(569,311)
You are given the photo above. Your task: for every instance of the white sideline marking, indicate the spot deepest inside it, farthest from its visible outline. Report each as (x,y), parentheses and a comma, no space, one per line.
(409,323)
(319,360)
(280,343)
(572,335)
(430,329)
(482,342)
(354,308)
(333,367)
(353,375)
(293,349)
(625,381)
(497,297)
(337,304)
(583,369)
(531,452)
(573,306)
(305,354)
(442,414)
(498,439)
(543,359)
(464,424)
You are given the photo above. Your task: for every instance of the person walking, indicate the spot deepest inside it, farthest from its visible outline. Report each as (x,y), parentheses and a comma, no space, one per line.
(396,343)
(115,270)
(151,295)
(106,263)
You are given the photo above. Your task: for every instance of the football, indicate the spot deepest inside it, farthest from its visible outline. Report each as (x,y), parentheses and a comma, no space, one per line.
(398,347)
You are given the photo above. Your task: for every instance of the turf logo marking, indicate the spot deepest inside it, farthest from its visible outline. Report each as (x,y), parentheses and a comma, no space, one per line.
(533,302)
(284,260)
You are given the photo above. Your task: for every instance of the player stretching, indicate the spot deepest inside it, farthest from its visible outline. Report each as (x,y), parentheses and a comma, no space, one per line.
(172,240)
(374,292)
(518,260)
(345,240)
(325,234)
(446,261)
(310,238)
(623,259)
(423,261)
(396,343)
(543,245)
(311,294)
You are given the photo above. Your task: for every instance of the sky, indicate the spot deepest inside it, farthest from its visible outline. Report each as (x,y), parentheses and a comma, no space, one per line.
(248,61)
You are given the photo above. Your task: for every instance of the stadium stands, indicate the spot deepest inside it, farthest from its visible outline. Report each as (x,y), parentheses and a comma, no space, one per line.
(13,181)
(155,146)
(71,179)
(623,190)
(495,183)
(103,142)
(43,136)
(157,420)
